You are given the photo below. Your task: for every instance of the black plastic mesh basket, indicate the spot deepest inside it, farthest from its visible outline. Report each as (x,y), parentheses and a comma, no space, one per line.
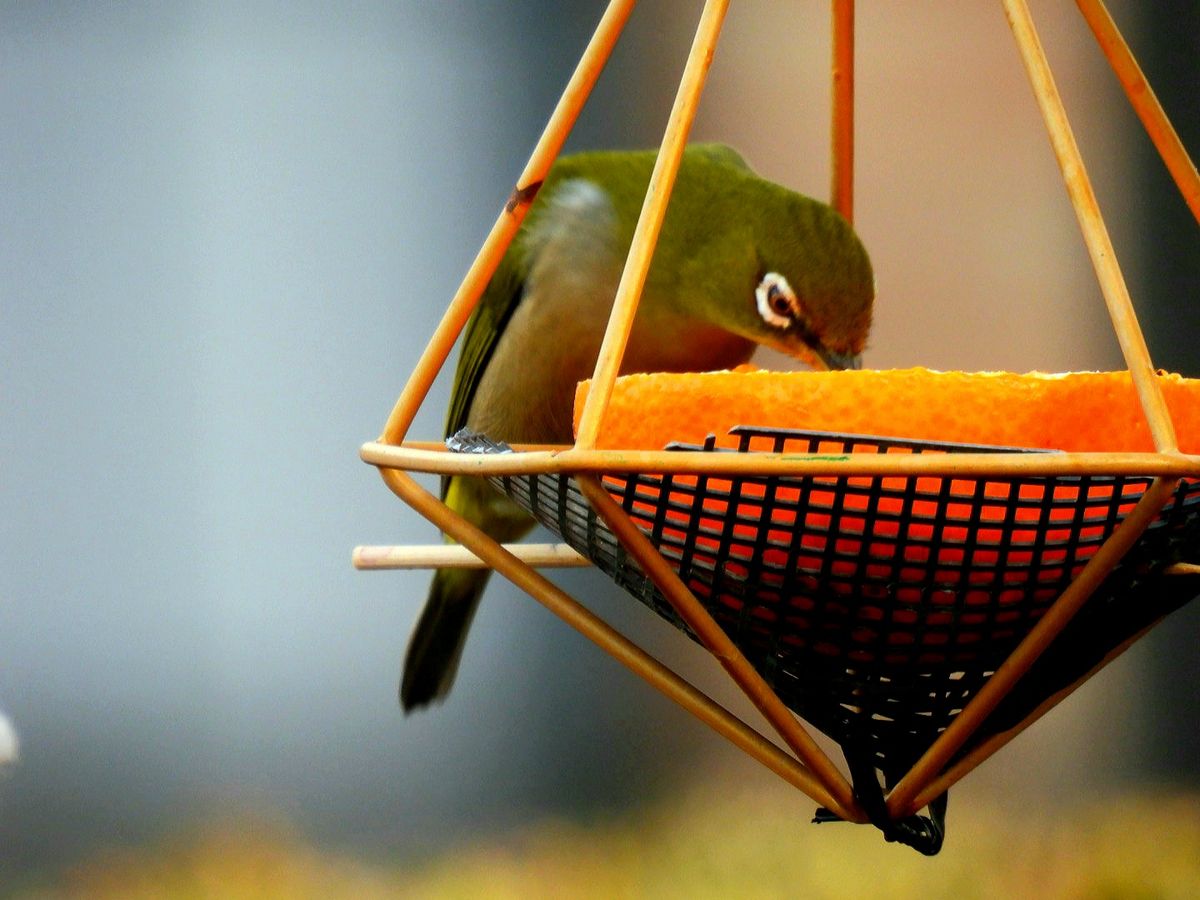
(876,606)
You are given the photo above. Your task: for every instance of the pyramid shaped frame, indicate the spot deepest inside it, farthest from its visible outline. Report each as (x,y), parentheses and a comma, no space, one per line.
(806,766)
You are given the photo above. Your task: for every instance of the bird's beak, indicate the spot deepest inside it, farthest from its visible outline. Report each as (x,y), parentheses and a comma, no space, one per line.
(834,360)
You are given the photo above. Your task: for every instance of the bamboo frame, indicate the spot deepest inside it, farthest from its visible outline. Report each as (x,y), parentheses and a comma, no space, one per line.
(1028,650)
(842,128)
(1095,234)
(1145,103)
(570,104)
(654,210)
(806,767)
(617,645)
(714,638)
(986,749)
(691,462)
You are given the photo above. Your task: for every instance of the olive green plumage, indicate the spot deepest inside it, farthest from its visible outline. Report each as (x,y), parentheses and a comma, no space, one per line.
(739,262)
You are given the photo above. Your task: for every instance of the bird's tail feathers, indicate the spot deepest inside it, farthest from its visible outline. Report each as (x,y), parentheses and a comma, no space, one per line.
(436,645)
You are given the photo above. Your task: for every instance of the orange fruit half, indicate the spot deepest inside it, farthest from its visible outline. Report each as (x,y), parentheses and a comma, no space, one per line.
(1075,411)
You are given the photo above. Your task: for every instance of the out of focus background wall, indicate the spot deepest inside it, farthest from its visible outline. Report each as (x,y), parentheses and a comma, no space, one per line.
(226,232)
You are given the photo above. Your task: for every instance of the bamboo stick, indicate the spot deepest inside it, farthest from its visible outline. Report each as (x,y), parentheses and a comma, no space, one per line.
(1048,627)
(456,556)
(654,208)
(1144,102)
(714,638)
(963,465)
(993,744)
(539,556)
(1095,234)
(505,228)
(613,642)
(842,192)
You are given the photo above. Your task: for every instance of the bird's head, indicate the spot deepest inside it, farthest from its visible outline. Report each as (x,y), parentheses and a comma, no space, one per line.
(800,281)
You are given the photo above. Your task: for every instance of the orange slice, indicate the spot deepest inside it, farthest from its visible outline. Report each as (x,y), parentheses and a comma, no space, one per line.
(1075,411)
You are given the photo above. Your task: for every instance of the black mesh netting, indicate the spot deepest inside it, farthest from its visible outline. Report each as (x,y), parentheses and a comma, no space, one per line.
(876,606)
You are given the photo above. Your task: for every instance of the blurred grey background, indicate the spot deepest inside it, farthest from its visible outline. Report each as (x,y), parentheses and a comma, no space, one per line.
(227,231)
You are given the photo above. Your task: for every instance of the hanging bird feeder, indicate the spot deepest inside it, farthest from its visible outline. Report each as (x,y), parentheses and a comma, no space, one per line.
(921,598)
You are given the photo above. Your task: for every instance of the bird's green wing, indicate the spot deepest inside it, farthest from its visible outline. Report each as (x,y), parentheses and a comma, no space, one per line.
(573,222)
(570,229)
(483,331)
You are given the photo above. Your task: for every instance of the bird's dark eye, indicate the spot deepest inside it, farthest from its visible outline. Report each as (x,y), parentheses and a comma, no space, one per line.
(776,301)
(779,302)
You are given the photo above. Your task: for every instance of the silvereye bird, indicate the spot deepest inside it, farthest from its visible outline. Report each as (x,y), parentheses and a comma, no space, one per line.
(739,262)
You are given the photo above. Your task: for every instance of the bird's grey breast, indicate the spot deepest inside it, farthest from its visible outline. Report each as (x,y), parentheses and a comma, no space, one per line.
(527,390)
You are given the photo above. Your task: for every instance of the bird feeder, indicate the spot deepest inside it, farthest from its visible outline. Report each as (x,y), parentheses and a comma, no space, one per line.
(921,602)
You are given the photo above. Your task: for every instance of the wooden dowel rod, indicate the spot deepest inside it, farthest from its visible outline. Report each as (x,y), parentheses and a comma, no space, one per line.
(719,644)
(456,556)
(654,208)
(932,763)
(1095,234)
(842,192)
(1144,102)
(960,465)
(505,228)
(539,556)
(611,641)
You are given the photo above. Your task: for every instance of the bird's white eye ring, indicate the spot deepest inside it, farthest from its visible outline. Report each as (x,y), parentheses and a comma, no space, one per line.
(775,300)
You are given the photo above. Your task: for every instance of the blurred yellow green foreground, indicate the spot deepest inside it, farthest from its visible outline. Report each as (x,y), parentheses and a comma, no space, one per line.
(703,843)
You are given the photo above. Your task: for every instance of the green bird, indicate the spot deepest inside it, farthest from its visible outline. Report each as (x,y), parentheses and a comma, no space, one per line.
(739,262)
